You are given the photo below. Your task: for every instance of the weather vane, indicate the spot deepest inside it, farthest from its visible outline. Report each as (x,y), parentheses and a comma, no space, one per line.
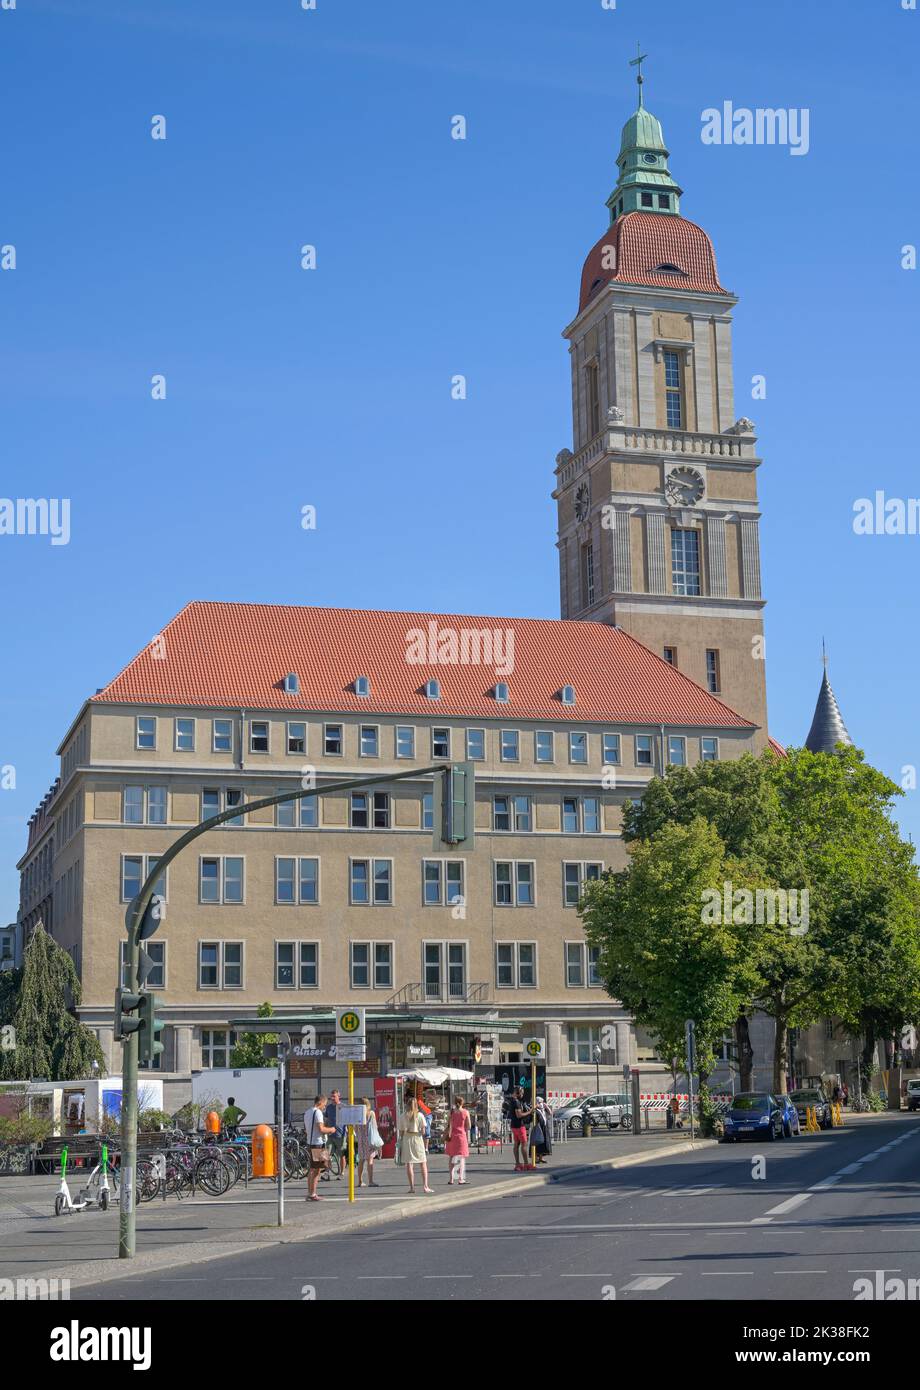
(637,63)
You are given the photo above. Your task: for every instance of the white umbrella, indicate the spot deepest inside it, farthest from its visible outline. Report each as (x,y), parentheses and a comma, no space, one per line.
(430,1076)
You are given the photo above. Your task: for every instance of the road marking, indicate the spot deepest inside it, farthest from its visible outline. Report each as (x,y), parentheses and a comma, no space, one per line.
(382,1276)
(724,1273)
(789,1205)
(693,1191)
(647,1283)
(447,1276)
(800,1271)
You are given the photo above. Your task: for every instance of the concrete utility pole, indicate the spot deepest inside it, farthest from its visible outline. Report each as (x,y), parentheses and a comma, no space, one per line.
(134,922)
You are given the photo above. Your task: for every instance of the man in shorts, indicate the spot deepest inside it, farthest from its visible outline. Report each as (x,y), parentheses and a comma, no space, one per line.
(520,1114)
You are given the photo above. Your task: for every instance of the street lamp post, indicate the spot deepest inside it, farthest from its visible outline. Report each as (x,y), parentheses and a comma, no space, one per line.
(597,1068)
(134,923)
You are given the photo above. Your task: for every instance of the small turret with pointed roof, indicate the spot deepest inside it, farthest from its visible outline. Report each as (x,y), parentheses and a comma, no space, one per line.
(645,183)
(827,726)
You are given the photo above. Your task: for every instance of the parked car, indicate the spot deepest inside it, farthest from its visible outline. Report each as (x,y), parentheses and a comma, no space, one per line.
(913,1093)
(815,1098)
(603,1109)
(791,1123)
(753,1115)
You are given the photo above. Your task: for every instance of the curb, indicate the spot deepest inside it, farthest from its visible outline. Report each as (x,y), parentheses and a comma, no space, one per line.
(88,1273)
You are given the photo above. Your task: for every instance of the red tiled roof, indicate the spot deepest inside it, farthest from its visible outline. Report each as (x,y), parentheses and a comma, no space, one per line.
(236,655)
(777,747)
(642,241)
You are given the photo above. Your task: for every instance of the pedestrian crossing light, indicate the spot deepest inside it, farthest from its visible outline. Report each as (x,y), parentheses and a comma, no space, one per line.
(454,805)
(149,1045)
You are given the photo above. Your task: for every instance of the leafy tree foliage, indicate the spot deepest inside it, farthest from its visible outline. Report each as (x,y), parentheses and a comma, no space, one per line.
(39,1000)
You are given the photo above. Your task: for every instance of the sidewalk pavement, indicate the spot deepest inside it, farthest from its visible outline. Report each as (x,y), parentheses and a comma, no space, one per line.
(82,1247)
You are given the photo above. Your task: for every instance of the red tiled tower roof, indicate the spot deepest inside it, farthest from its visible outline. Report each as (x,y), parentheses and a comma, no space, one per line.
(644,241)
(236,655)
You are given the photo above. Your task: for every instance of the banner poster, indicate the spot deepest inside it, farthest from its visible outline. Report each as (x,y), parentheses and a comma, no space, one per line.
(387,1113)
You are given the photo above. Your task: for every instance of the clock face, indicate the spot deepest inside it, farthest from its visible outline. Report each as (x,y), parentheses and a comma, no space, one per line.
(582,501)
(684,485)
(650,158)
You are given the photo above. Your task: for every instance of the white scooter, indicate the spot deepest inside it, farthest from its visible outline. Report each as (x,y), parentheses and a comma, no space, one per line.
(94,1193)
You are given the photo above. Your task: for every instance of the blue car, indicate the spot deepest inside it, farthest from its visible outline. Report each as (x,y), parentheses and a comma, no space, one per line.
(754,1115)
(791,1123)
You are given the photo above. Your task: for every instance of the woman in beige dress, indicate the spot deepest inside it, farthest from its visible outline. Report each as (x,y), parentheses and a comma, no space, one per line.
(412,1144)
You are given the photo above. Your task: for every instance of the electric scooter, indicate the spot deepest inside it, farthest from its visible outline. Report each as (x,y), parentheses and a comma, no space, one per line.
(94,1193)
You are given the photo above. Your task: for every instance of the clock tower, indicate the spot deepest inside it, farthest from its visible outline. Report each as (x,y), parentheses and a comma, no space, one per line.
(658,523)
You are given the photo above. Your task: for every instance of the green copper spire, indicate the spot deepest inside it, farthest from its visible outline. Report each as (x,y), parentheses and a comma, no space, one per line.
(645,183)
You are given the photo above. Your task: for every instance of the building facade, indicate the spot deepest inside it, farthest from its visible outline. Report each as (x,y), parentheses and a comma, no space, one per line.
(341,897)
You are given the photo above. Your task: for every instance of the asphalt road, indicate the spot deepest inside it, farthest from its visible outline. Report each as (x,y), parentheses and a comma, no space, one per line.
(830,1209)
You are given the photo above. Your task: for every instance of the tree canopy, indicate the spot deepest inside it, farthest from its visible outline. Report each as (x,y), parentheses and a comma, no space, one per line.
(39,1001)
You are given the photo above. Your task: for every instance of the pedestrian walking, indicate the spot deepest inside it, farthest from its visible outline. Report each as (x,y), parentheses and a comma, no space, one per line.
(846,1094)
(412,1145)
(458,1142)
(370,1144)
(542,1137)
(317,1131)
(519,1114)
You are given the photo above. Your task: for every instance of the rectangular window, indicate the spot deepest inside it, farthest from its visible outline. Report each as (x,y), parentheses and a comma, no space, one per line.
(381,810)
(360,965)
(296,737)
(570,822)
(369,741)
(524,884)
(709,750)
(670,655)
(578,748)
(476,745)
(258,736)
(220,965)
(504,885)
(501,813)
(132,876)
(233,796)
(432,969)
(358,819)
(156,951)
(574,964)
(383,881)
(677,750)
(713,678)
(309,964)
(285,953)
(643,750)
(208,964)
(332,740)
(672,388)
(591,815)
(222,735)
(442,881)
(543,751)
(284,880)
(133,806)
(514,883)
(371,882)
(520,806)
(145,731)
(303,812)
(233,965)
(216,1046)
(440,743)
(370,810)
(611,749)
(685,561)
(309,880)
(359,882)
(582,1040)
(594,974)
(405,741)
(510,745)
(309,812)
(220,879)
(383,965)
(210,803)
(587,575)
(428,811)
(296,880)
(516,965)
(185,735)
(592,399)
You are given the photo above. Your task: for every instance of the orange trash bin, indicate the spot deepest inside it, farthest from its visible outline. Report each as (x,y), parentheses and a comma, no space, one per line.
(263,1152)
(212,1122)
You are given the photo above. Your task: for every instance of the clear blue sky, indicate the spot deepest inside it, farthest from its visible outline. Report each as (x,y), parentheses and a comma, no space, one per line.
(435,257)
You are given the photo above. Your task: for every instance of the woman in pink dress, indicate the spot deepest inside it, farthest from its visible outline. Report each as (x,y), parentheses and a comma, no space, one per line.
(458,1143)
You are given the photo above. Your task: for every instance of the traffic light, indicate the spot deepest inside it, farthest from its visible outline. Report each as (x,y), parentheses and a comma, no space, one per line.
(126,1018)
(149,1046)
(454,805)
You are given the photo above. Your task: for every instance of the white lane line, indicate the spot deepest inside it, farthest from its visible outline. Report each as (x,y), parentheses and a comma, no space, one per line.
(647,1283)
(789,1205)
(447,1276)
(852,1168)
(800,1271)
(724,1273)
(382,1276)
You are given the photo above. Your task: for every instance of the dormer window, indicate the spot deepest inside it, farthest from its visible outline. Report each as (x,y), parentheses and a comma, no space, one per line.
(664,200)
(567,694)
(432,690)
(291,684)
(666,268)
(647,200)
(501,692)
(362,686)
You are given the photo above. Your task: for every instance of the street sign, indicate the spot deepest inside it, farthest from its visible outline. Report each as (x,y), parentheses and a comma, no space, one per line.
(534,1049)
(153,916)
(349,1115)
(419,1050)
(351,1051)
(350,1035)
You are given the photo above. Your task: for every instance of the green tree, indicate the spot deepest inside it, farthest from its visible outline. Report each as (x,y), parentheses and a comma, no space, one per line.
(819,823)
(39,1001)
(657,955)
(247,1050)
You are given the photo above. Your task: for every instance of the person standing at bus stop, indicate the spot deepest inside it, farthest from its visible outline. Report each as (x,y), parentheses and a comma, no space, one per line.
(316,1131)
(519,1113)
(412,1145)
